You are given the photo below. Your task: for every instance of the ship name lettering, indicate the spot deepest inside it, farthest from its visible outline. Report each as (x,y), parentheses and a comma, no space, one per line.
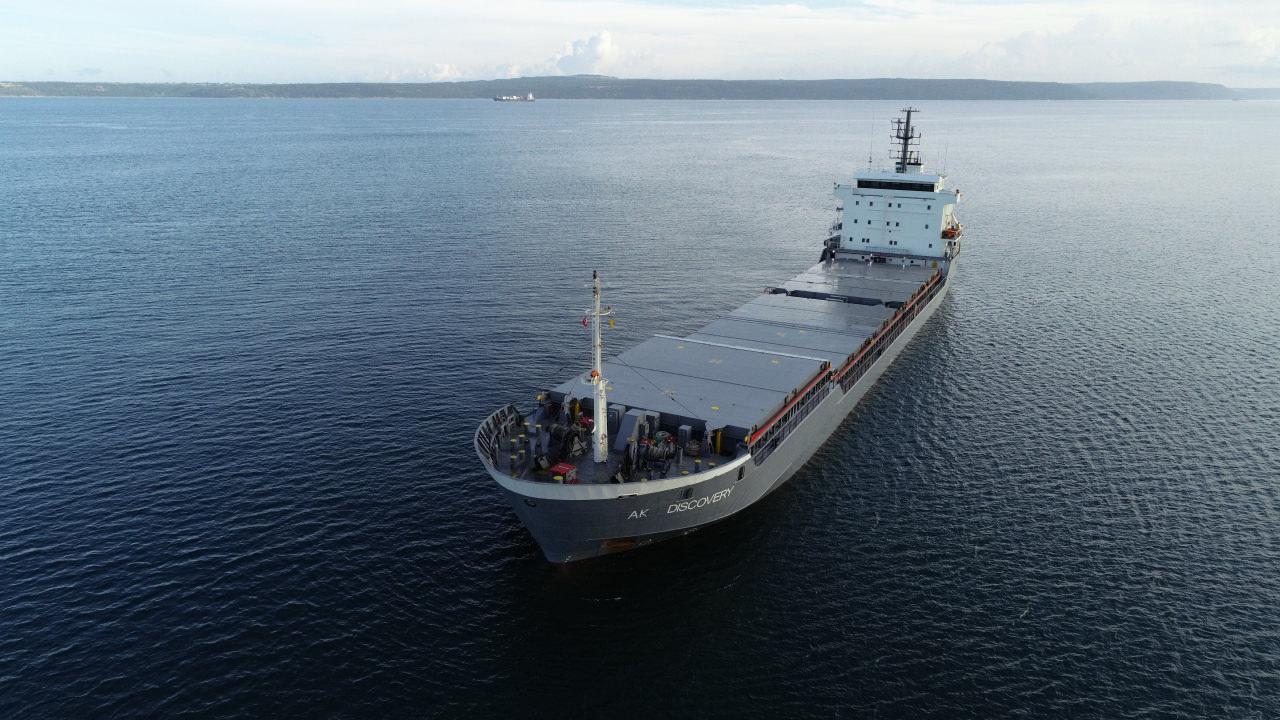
(700,502)
(637,514)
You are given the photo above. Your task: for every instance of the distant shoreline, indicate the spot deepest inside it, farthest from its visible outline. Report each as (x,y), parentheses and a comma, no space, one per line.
(597,87)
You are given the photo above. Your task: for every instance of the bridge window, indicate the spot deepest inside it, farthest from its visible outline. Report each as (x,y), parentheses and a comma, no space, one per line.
(893,185)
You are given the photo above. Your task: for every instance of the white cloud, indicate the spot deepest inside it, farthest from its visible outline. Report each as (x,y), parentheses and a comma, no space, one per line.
(319,40)
(441,72)
(596,55)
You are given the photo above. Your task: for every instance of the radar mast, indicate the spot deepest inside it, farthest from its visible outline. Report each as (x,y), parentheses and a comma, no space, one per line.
(906,155)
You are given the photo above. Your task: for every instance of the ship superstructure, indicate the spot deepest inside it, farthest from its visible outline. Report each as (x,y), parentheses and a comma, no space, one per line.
(678,432)
(903,213)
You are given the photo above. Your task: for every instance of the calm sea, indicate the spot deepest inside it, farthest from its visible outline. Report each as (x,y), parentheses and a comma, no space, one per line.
(244,345)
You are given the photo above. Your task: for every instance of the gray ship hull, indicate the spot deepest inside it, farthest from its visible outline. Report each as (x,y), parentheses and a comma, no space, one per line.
(578,522)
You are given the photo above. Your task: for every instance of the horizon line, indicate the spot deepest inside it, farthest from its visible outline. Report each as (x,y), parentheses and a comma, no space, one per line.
(89,81)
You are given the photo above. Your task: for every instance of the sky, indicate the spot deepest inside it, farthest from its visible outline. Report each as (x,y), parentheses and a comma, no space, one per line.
(1234,42)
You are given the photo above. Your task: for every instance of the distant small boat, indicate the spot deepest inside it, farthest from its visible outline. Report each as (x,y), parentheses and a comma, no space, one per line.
(513,98)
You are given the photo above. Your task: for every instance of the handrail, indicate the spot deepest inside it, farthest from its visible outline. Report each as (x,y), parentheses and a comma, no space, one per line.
(836,376)
(484,439)
(790,404)
(897,317)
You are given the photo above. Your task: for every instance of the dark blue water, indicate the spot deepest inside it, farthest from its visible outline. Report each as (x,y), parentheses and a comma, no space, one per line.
(244,345)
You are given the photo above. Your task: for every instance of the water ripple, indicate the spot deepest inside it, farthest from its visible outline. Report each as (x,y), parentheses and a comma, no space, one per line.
(245,345)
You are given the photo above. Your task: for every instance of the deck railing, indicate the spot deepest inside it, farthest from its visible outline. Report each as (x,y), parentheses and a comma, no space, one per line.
(874,347)
(769,436)
(765,439)
(487,440)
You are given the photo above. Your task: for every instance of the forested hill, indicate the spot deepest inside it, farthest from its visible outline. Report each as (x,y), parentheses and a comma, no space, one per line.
(602,87)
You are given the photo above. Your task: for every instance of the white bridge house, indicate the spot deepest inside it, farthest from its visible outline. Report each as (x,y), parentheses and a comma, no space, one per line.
(904,214)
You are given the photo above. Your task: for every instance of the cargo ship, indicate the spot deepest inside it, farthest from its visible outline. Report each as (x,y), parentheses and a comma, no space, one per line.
(514,98)
(679,432)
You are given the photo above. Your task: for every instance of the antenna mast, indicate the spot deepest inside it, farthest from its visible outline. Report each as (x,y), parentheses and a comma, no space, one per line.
(906,137)
(601,420)
(871,141)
